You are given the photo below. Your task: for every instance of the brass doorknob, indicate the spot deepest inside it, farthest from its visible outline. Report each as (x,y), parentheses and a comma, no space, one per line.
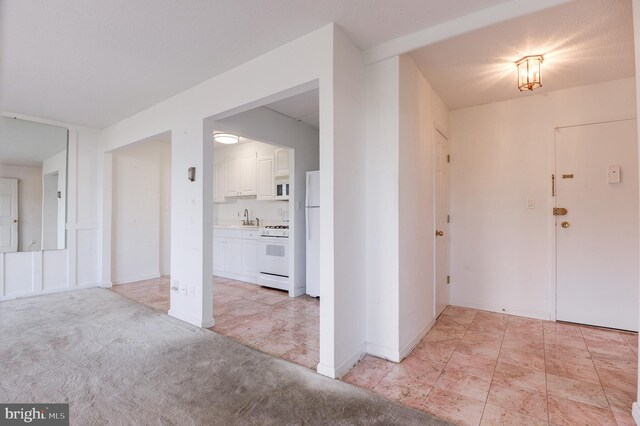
(439,233)
(565,224)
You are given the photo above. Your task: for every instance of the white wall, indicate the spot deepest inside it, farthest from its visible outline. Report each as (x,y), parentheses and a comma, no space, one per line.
(137,218)
(324,59)
(503,153)
(24,274)
(29,205)
(421,111)
(269,126)
(402,113)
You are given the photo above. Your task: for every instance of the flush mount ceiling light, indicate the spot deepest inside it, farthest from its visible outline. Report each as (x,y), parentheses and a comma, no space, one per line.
(529,73)
(225,138)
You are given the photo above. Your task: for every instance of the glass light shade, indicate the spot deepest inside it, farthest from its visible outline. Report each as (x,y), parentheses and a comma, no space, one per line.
(529,72)
(225,138)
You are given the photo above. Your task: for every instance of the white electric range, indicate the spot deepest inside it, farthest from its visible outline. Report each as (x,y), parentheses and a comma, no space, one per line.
(273,256)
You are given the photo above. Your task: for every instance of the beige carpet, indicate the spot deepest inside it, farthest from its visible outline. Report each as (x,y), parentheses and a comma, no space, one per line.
(121,363)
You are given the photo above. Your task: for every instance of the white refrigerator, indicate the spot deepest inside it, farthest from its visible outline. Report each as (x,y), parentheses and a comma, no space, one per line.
(312,210)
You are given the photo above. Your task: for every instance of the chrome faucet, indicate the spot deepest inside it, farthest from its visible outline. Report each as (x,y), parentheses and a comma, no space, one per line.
(246,216)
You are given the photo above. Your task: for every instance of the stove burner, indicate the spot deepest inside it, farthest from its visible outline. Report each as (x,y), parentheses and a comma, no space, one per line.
(277,227)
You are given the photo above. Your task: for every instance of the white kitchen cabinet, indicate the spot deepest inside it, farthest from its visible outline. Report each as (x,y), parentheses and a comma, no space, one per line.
(240,175)
(265,183)
(219,189)
(218,254)
(249,258)
(233,256)
(282,162)
(231,177)
(247,174)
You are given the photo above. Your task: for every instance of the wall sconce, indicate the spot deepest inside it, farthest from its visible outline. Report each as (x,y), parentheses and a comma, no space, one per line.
(192,174)
(225,138)
(529,72)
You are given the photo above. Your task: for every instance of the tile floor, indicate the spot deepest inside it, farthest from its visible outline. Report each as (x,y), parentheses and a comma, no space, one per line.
(477,367)
(473,367)
(266,319)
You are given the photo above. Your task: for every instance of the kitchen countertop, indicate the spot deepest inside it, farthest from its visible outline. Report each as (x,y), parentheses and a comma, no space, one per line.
(235,227)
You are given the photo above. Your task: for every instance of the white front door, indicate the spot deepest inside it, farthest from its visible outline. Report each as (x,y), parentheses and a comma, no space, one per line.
(442,223)
(8,215)
(597,239)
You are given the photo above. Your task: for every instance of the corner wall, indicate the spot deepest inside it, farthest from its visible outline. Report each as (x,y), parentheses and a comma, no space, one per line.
(402,114)
(502,254)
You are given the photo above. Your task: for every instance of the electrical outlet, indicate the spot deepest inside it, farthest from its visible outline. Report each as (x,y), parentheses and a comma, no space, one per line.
(192,291)
(183,289)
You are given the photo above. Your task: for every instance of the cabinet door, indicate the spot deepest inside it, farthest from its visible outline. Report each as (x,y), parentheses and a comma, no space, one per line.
(265,184)
(233,256)
(282,162)
(218,183)
(247,174)
(231,177)
(218,254)
(249,258)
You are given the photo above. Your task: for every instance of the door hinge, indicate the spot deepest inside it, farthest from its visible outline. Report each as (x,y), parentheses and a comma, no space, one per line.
(448,279)
(448,219)
(448,158)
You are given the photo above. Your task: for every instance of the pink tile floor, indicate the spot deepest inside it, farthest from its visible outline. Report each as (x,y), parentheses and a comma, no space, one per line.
(265,319)
(477,367)
(473,367)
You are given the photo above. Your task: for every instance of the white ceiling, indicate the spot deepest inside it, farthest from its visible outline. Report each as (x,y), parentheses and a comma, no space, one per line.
(28,144)
(583,42)
(94,62)
(304,107)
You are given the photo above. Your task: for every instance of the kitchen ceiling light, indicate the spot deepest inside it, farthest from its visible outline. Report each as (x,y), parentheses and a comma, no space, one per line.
(225,138)
(529,72)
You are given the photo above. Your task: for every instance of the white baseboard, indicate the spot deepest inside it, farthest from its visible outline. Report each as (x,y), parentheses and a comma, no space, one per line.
(542,315)
(298,291)
(344,367)
(106,285)
(406,349)
(635,412)
(137,278)
(383,352)
(48,291)
(191,320)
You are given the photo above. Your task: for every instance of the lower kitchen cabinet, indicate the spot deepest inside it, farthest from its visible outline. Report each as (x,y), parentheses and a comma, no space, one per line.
(235,254)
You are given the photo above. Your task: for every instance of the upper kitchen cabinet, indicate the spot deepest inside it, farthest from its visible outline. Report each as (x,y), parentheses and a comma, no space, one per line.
(240,175)
(219,189)
(265,182)
(247,174)
(231,177)
(282,162)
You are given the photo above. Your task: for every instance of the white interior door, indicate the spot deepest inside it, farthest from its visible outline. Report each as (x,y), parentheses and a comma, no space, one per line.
(8,215)
(597,238)
(442,223)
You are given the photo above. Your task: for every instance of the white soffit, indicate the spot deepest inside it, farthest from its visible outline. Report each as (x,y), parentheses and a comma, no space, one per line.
(583,42)
(304,107)
(95,62)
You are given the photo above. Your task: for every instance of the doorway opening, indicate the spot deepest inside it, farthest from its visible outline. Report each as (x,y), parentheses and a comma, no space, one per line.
(141,221)
(265,239)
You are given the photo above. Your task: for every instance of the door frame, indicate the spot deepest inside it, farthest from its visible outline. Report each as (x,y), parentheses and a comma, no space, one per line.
(553,291)
(438,130)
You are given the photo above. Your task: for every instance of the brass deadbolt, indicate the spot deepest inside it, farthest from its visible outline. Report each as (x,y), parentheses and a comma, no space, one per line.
(439,233)
(559,211)
(565,224)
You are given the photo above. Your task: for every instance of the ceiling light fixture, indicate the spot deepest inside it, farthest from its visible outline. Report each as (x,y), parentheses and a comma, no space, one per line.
(225,138)
(529,72)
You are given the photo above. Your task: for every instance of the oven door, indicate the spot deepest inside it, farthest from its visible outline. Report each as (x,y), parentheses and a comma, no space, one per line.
(273,256)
